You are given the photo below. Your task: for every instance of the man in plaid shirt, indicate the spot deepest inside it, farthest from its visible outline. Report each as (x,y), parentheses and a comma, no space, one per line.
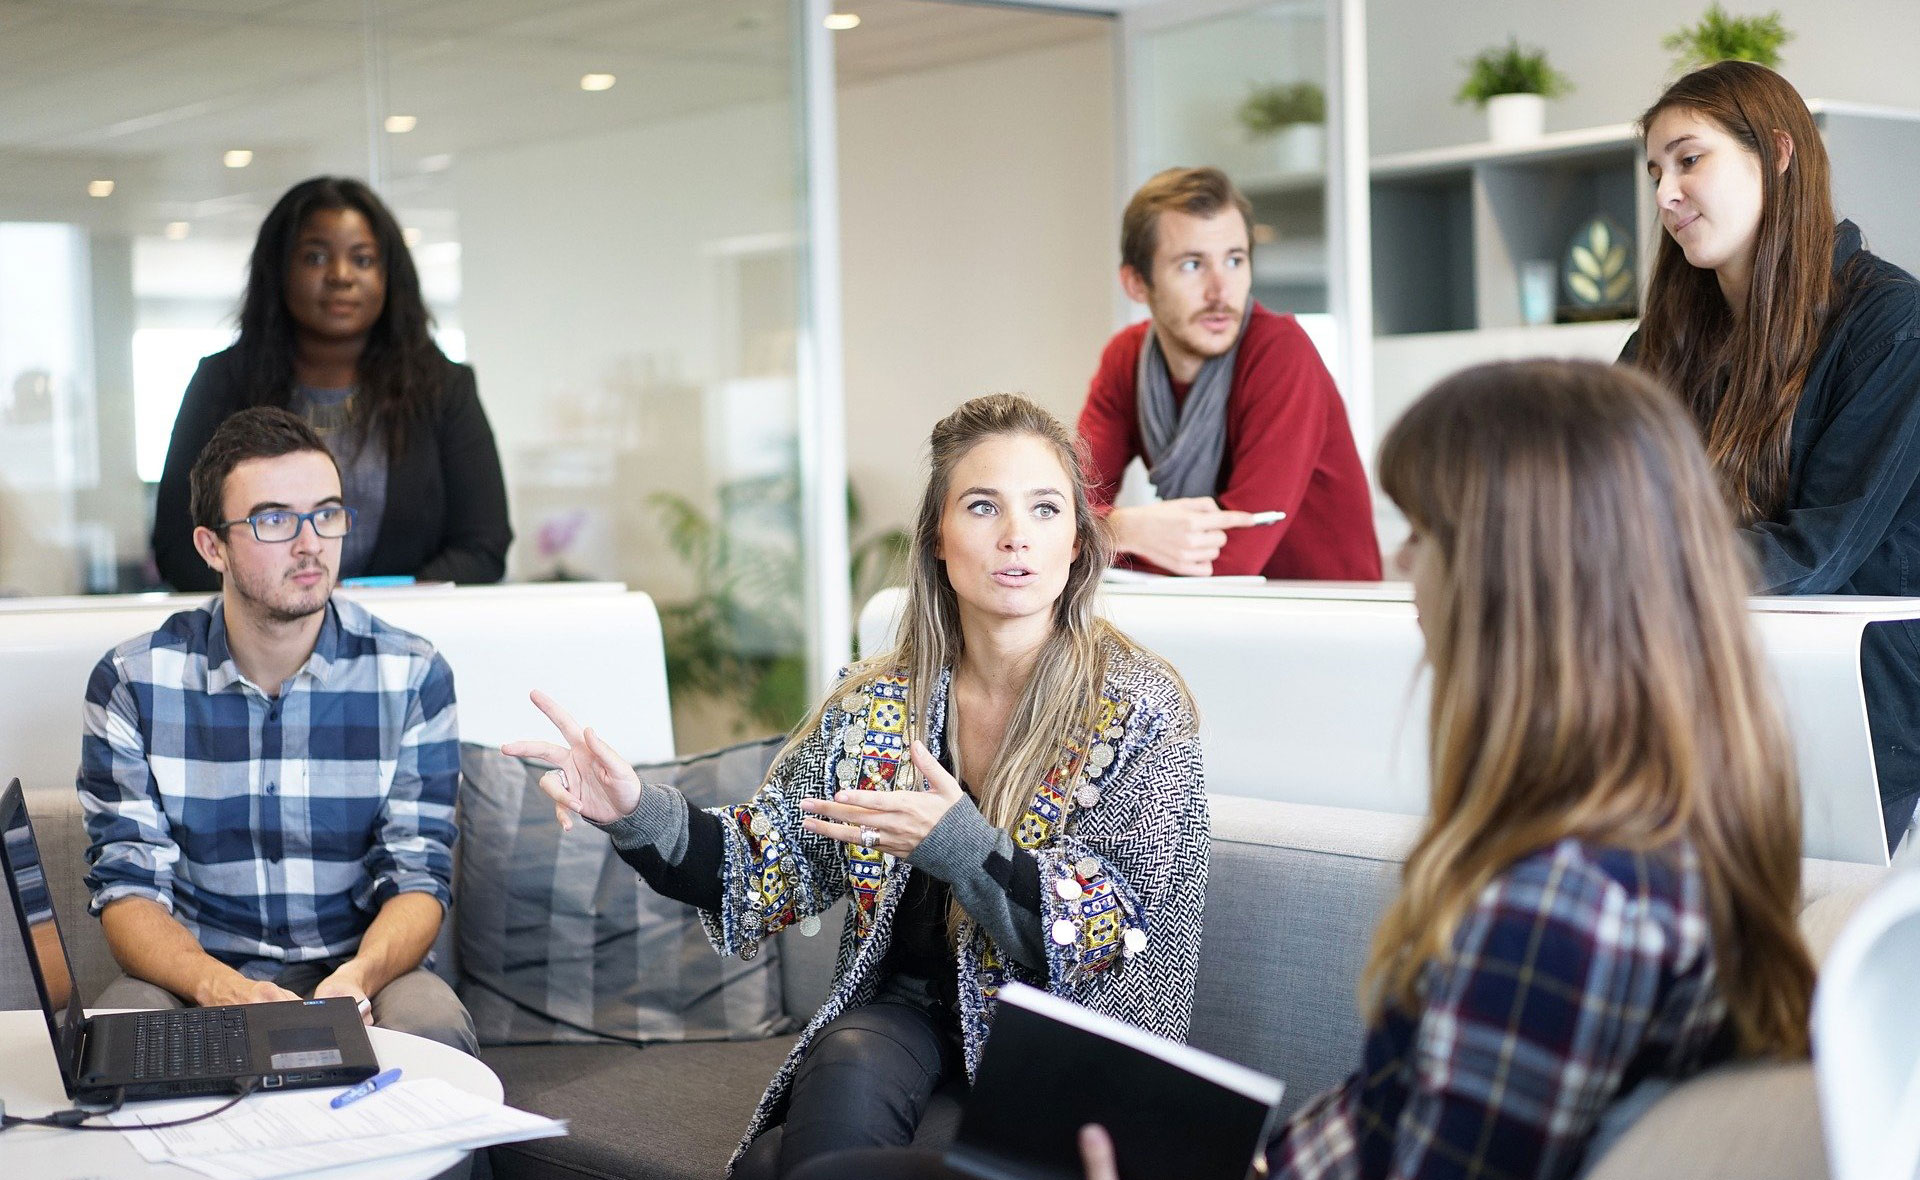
(269,780)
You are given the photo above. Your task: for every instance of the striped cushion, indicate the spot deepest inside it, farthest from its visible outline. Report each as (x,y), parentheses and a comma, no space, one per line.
(561,941)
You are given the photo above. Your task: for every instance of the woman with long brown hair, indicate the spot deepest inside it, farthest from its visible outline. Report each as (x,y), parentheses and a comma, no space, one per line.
(1798,354)
(1012,791)
(1604,889)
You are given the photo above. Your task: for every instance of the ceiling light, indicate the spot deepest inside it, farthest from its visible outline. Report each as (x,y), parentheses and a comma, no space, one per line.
(238,158)
(596,81)
(177,230)
(401,124)
(840,22)
(412,236)
(436,163)
(99,188)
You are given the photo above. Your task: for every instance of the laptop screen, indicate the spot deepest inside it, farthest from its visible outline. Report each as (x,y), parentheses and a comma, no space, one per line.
(33,909)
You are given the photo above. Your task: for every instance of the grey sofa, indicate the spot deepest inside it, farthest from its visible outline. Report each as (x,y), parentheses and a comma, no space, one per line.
(1294,894)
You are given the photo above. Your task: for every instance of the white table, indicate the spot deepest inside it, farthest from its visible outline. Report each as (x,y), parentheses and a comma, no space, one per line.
(30,1085)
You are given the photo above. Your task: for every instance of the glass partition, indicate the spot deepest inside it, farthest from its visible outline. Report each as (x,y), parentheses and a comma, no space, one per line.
(1248,92)
(607,206)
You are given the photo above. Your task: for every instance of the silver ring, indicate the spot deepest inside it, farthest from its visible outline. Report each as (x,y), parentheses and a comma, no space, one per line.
(561,771)
(868,837)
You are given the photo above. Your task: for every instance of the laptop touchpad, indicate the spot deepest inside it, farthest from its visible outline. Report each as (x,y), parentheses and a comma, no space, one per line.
(302,1048)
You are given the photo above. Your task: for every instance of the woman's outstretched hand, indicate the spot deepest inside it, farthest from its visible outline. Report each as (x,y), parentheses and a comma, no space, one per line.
(899,820)
(589,778)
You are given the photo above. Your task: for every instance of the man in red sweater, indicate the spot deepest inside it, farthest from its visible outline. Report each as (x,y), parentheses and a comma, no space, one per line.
(1228,404)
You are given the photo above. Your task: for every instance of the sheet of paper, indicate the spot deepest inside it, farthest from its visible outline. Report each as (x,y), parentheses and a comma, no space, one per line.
(279,1134)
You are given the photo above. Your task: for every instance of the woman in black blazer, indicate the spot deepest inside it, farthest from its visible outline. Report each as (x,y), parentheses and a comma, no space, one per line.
(333,327)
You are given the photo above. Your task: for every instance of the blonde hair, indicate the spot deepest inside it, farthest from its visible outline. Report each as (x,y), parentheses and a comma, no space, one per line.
(1061,696)
(1594,674)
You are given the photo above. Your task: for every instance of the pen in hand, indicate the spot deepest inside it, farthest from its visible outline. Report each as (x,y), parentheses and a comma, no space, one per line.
(379,1081)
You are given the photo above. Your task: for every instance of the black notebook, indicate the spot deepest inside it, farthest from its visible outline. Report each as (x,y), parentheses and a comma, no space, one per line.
(1052,1066)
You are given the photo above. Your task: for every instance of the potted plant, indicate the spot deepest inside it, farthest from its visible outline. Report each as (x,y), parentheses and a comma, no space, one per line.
(1722,37)
(1293,119)
(1513,83)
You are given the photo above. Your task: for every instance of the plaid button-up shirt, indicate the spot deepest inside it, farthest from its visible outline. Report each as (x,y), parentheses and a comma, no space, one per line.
(272,828)
(1580,971)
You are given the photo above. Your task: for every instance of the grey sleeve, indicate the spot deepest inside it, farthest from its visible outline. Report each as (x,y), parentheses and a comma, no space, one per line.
(996,883)
(658,822)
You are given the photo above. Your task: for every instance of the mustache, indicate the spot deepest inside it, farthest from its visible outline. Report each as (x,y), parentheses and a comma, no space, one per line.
(308,567)
(1218,309)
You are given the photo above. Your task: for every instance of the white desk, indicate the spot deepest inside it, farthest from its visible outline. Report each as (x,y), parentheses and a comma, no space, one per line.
(30,1085)
(1313,692)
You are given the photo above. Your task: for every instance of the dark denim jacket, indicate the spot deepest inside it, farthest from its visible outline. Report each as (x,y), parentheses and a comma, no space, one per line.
(1851,522)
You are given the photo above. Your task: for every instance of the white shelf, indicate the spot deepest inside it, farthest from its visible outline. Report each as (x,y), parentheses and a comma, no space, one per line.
(1553,145)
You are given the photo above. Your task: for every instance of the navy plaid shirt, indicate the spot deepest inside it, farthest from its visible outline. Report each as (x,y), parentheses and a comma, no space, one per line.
(1580,971)
(273,829)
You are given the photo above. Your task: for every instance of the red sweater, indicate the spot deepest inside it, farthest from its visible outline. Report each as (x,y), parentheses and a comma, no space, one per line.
(1288,447)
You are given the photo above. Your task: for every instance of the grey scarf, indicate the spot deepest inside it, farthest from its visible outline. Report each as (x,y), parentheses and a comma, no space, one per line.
(1185,445)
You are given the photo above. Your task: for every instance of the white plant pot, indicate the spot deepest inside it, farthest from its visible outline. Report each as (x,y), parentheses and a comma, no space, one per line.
(1301,147)
(1516,118)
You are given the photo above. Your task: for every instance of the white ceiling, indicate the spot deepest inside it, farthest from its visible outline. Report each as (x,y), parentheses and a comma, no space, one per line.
(150,93)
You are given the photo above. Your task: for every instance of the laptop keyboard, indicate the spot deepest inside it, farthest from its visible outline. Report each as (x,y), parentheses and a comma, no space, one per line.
(190,1043)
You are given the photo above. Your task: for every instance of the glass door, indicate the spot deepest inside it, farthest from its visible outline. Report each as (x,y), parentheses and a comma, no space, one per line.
(1272,92)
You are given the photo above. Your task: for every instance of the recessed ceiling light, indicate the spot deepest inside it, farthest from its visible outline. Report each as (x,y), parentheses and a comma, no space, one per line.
(177,230)
(99,188)
(596,81)
(237,158)
(412,236)
(840,22)
(401,124)
(436,163)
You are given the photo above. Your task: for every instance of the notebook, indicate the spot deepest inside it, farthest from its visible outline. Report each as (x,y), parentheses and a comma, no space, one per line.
(1052,1066)
(169,1054)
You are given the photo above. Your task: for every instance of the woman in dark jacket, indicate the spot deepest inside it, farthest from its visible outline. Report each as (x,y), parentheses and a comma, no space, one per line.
(1798,353)
(333,327)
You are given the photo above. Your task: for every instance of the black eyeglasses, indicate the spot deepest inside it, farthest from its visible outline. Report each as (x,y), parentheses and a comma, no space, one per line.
(279,525)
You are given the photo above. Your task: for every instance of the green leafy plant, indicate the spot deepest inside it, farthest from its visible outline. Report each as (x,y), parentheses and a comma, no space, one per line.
(1720,36)
(1511,69)
(741,636)
(1270,110)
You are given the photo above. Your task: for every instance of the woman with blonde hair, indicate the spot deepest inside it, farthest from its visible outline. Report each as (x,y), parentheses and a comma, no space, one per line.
(1798,353)
(1012,791)
(1604,890)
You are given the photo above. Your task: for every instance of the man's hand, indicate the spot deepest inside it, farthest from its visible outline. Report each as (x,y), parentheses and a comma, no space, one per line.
(346,981)
(1180,536)
(238,989)
(899,820)
(1096,1153)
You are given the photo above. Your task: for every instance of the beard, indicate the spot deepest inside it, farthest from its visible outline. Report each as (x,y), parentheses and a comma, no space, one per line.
(275,597)
(1197,342)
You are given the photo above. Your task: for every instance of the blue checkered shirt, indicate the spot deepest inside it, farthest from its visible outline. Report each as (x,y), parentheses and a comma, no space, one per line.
(273,829)
(1579,972)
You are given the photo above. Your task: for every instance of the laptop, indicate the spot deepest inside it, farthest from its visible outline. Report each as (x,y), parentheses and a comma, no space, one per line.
(168,1054)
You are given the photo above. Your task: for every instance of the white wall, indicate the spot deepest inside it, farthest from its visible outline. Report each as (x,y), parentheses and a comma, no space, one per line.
(1854,50)
(979,248)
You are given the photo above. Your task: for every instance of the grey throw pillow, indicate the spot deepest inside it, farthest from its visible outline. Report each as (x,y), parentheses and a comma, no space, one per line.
(559,938)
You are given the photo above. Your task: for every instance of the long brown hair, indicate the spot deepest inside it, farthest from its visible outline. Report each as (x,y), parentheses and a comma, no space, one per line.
(1594,674)
(1059,699)
(1742,374)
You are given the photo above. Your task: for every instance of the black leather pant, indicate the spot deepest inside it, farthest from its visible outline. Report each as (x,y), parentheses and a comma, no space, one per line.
(867,1082)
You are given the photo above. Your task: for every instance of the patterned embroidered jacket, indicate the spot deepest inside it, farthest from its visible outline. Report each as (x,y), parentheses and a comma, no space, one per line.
(1135,852)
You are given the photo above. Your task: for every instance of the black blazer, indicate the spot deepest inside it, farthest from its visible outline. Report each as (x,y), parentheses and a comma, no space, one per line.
(1851,521)
(446,512)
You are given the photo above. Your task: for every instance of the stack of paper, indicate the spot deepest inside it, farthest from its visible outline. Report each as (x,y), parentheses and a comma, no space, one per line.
(284,1134)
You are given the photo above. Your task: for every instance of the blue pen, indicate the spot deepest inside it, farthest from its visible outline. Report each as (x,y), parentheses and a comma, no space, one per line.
(379,1081)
